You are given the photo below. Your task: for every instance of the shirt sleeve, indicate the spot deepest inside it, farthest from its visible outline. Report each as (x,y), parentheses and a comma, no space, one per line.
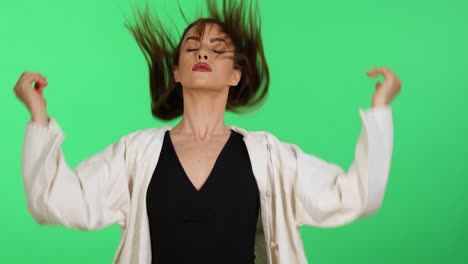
(323,194)
(90,196)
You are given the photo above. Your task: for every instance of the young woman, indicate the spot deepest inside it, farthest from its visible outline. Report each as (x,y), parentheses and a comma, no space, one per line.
(203,191)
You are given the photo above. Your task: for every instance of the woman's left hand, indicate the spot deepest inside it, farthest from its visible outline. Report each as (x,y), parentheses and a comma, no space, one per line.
(386,91)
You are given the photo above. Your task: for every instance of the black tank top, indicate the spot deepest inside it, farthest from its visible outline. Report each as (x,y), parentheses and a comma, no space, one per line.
(215,224)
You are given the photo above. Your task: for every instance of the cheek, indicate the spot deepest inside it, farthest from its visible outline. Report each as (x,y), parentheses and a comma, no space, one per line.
(184,60)
(226,67)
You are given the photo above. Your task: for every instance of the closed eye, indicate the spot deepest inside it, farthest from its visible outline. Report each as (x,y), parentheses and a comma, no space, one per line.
(215,51)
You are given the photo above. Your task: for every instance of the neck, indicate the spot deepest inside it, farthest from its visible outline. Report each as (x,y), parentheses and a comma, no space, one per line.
(203,115)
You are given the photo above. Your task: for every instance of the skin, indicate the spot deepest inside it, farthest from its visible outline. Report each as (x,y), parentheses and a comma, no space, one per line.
(202,133)
(205,93)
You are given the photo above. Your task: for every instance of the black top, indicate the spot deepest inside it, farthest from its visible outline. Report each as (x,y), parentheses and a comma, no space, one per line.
(215,224)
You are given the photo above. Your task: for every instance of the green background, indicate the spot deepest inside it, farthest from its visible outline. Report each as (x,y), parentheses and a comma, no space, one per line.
(318,53)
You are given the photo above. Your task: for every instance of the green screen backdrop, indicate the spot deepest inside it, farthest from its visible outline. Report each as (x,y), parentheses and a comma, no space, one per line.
(318,53)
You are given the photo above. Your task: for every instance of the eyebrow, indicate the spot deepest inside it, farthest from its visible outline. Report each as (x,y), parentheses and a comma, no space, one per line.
(211,40)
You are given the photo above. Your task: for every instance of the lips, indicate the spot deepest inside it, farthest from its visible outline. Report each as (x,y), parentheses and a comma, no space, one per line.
(203,67)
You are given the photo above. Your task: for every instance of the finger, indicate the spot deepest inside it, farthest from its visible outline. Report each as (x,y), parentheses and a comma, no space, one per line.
(40,84)
(39,91)
(34,77)
(386,72)
(372,74)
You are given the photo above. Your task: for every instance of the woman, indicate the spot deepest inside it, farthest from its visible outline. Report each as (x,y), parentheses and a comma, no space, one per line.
(202,191)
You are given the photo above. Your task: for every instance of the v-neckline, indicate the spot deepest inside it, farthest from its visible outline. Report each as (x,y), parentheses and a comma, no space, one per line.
(181,167)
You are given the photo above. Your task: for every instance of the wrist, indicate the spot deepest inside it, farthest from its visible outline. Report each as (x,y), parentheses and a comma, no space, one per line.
(379,104)
(39,116)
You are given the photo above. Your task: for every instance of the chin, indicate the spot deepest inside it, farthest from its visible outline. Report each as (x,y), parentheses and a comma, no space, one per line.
(202,84)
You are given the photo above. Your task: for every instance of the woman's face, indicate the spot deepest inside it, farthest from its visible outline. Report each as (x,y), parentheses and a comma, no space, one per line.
(206,63)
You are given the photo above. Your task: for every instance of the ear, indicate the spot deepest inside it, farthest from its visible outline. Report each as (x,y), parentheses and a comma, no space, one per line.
(176,73)
(235,78)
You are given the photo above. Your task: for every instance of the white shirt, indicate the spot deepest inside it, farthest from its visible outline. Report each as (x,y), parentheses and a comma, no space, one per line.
(295,188)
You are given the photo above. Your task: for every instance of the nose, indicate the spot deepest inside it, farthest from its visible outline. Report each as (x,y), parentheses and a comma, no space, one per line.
(202,56)
(202,53)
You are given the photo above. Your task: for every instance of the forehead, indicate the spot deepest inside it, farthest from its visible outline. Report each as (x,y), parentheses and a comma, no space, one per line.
(210,30)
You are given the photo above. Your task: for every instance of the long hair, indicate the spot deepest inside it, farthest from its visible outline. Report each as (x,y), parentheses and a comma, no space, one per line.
(240,20)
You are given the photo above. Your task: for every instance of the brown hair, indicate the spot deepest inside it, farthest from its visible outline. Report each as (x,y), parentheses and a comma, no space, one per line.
(239,20)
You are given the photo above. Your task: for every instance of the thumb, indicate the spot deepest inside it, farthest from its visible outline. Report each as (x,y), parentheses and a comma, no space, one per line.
(377,85)
(40,84)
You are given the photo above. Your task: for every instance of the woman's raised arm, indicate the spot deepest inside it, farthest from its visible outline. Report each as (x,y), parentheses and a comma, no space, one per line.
(323,194)
(90,196)
(93,195)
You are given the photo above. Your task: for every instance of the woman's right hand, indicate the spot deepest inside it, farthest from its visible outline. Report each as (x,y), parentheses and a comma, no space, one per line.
(33,99)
